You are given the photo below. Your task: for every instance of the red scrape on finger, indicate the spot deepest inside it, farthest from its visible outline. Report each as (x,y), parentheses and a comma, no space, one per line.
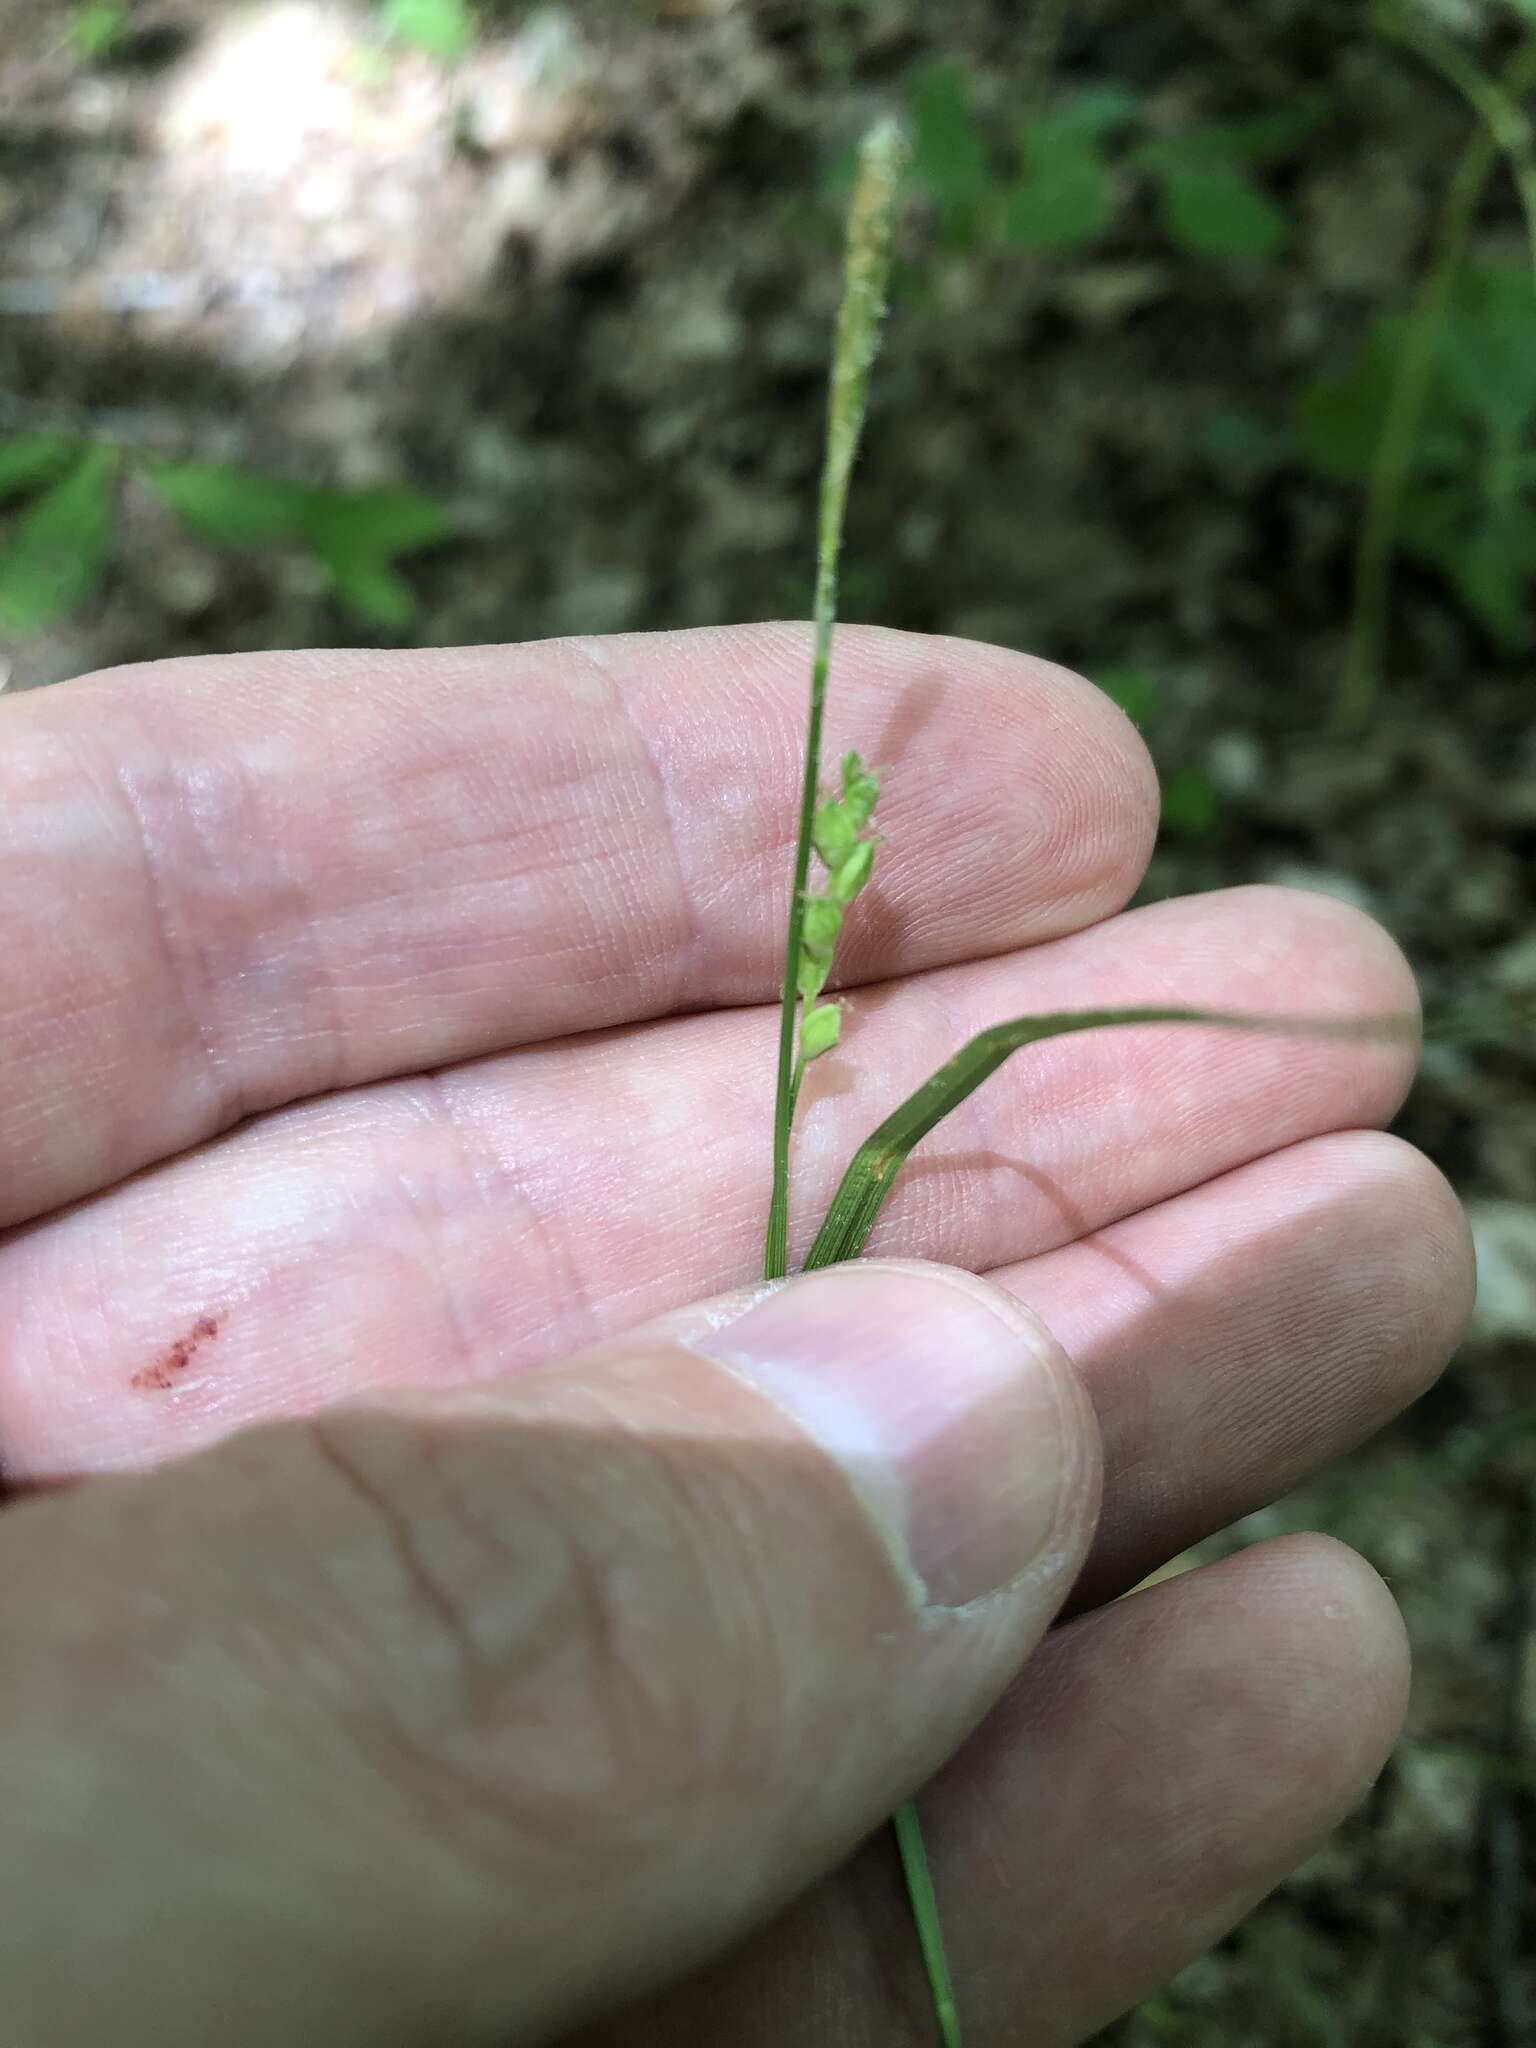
(171,1364)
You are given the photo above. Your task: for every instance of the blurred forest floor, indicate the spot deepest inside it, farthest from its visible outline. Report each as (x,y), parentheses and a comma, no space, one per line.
(575,285)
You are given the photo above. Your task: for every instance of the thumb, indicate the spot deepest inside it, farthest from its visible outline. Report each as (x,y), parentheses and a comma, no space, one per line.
(469,1716)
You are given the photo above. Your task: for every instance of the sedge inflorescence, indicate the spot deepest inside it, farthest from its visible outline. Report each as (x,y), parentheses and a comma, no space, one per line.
(838,836)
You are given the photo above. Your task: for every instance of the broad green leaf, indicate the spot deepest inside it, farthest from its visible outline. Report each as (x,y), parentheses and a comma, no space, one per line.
(1252,140)
(27,461)
(244,507)
(1488,354)
(232,507)
(367,587)
(61,546)
(1065,196)
(1064,200)
(1487,552)
(1091,112)
(386,521)
(1218,210)
(1192,807)
(1135,690)
(1492,573)
(1338,419)
(1491,566)
(872,1172)
(1436,515)
(1241,440)
(99,29)
(354,534)
(949,161)
(443,28)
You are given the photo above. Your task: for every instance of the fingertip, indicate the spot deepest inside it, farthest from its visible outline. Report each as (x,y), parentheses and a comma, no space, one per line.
(1350,954)
(1334,1681)
(1427,1282)
(1311,952)
(1040,790)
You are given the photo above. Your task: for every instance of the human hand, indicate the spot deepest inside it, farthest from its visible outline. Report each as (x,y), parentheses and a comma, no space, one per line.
(560,1656)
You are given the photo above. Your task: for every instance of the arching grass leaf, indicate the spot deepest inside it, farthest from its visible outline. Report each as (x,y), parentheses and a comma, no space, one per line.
(870,1176)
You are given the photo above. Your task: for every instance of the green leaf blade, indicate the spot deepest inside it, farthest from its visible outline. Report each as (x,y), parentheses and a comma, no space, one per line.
(365,586)
(62,547)
(386,521)
(1064,201)
(28,461)
(1218,210)
(950,163)
(868,1181)
(442,28)
(229,506)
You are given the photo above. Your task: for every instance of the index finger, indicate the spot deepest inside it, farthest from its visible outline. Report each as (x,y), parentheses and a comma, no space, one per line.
(231,883)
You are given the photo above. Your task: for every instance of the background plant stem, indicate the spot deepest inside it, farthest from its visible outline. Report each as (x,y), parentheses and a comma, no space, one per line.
(1400,430)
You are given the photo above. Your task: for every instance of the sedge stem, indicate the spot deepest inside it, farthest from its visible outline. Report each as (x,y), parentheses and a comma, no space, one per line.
(866,273)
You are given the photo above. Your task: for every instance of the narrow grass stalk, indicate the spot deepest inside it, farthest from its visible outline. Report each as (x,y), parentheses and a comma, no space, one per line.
(1495,101)
(1377,544)
(925,1916)
(866,273)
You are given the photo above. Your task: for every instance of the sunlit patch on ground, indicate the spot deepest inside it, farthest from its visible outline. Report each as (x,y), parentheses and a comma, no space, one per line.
(313,187)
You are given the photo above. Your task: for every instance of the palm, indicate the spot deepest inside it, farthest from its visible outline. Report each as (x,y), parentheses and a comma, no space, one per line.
(500,929)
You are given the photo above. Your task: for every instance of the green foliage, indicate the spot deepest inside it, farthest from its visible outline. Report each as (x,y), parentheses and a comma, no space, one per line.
(1219,210)
(443,28)
(1136,690)
(1211,201)
(98,30)
(849,859)
(233,508)
(1242,441)
(27,461)
(1192,806)
(62,545)
(356,535)
(1469,500)
(1078,159)
(831,828)
(1065,197)
(865,1187)
(950,162)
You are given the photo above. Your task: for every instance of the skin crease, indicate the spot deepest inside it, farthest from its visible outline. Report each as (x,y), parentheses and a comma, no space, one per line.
(321,1086)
